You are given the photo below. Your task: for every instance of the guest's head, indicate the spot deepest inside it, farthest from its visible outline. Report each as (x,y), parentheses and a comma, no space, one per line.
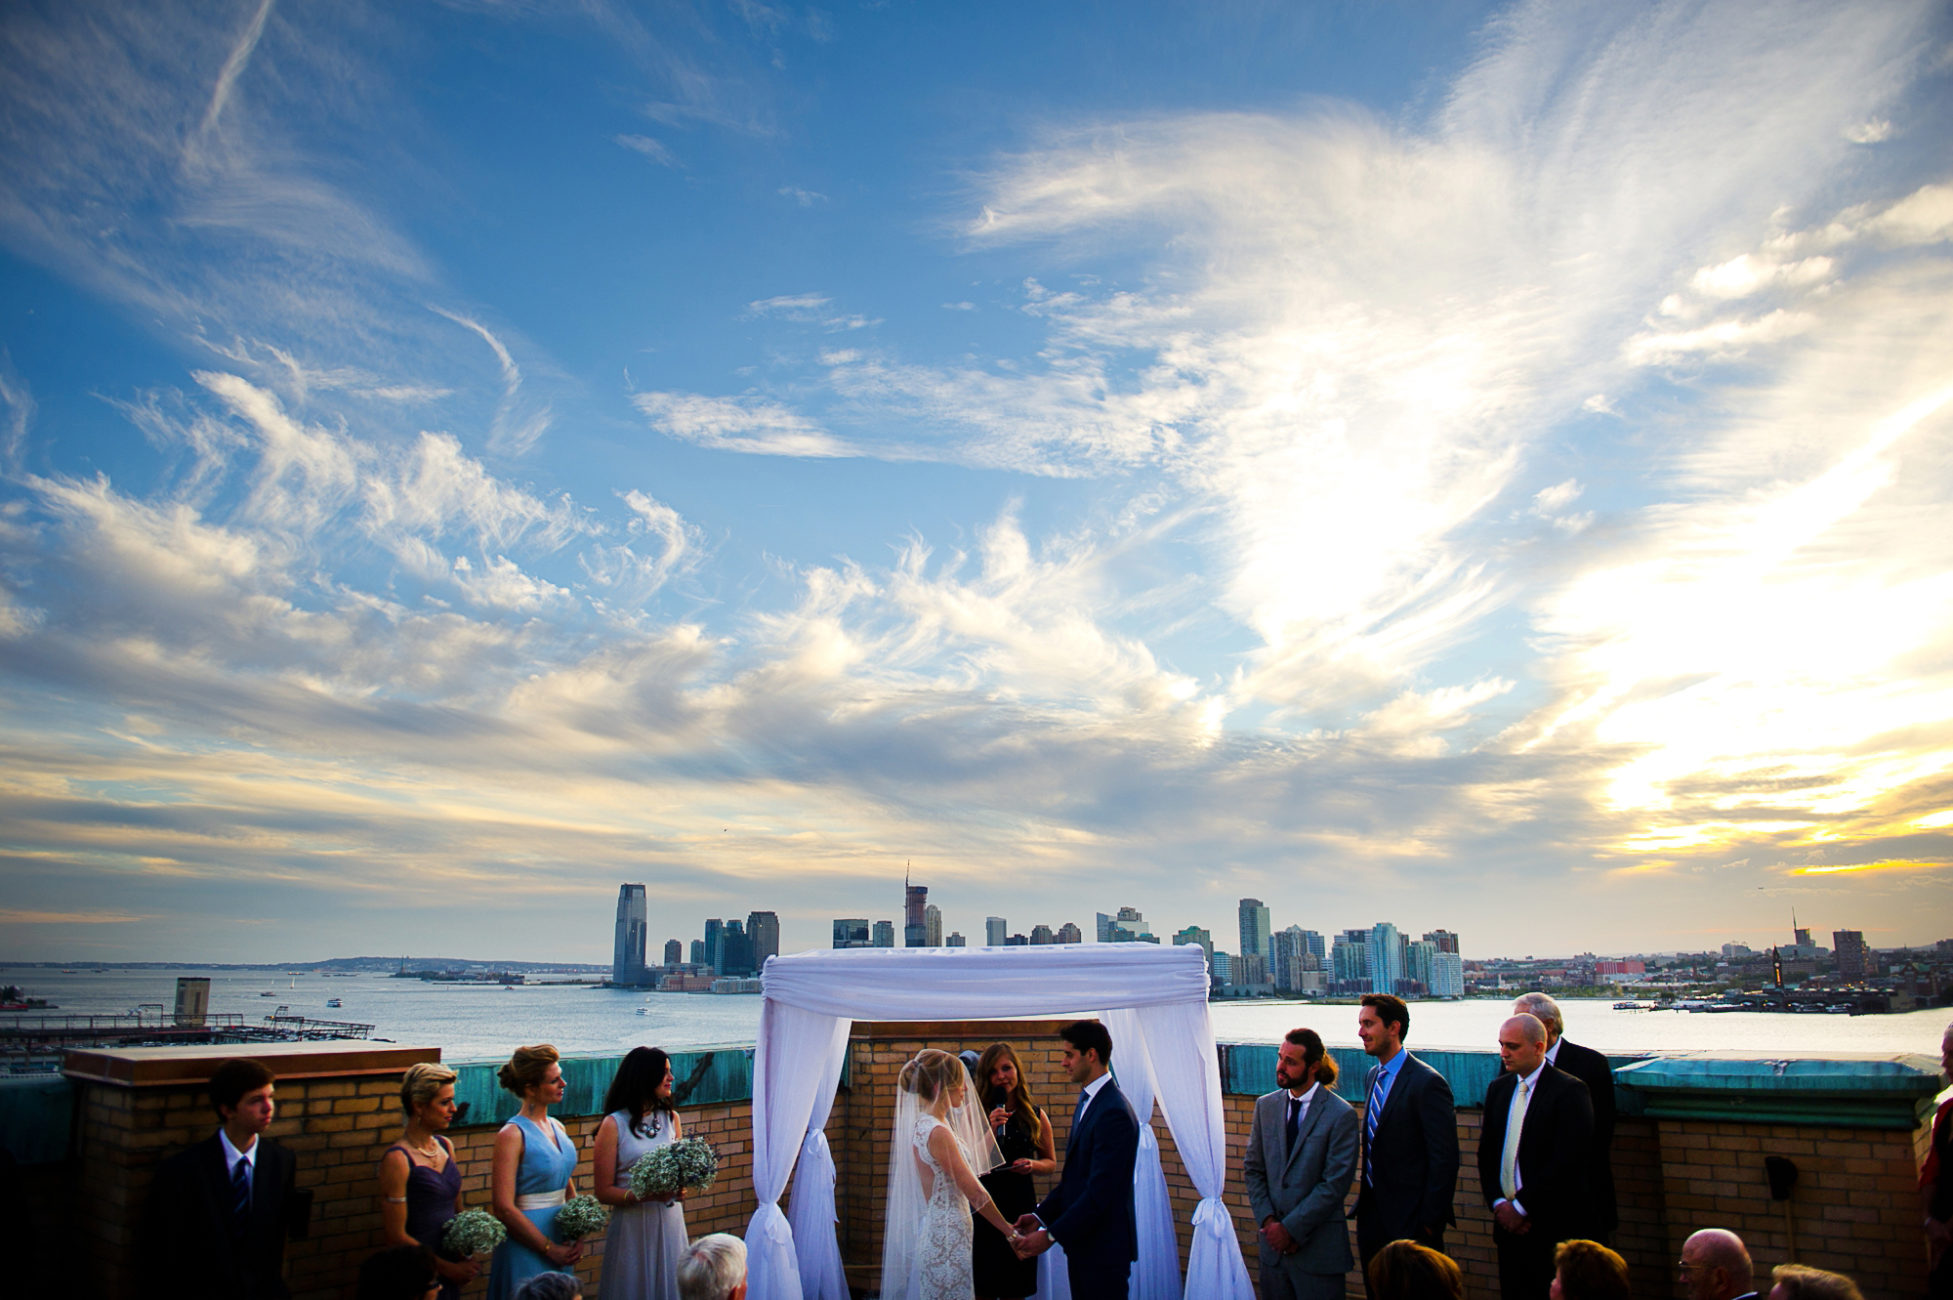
(1000,1079)
(1715,1265)
(241,1094)
(1587,1270)
(398,1273)
(1087,1052)
(1383,1023)
(1522,1044)
(534,1075)
(931,1074)
(642,1084)
(1302,1060)
(713,1268)
(1797,1282)
(550,1286)
(427,1094)
(1946,1052)
(1546,1009)
(1407,1270)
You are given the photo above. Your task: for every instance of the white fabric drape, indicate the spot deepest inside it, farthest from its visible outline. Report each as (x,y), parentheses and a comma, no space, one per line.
(811,1212)
(812,997)
(1187,1070)
(1156,1273)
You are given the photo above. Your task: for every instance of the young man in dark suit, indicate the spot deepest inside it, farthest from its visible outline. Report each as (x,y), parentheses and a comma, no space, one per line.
(1592,1069)
(1410,1138)
(218,1212)
(1091,1214)
(1300,1160)
(1539,1126)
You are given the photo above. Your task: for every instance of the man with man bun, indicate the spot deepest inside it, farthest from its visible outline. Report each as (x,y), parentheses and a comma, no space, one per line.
(1300,1160)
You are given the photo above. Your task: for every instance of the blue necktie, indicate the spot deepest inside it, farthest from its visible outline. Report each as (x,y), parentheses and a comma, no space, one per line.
(1370,1113)
(241,1194)
(1078,1112)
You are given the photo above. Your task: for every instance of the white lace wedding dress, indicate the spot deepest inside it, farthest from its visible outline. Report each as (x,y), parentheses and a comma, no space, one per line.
(942,1260)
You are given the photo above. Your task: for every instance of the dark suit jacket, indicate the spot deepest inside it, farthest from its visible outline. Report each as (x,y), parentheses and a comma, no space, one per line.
(1414,1161)
(1592,1069)
(1553,1147)
(1304,1185)
(189,1248)
(1090,1214)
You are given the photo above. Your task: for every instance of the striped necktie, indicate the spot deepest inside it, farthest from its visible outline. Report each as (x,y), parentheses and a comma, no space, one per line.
(241,1194)
(1370,1113)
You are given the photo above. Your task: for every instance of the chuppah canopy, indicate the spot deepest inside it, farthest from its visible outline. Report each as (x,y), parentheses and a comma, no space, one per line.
(1152,998)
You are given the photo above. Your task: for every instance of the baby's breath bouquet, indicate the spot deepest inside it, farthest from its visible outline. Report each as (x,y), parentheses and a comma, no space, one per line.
(472,1234)
(580,1217)
(687,1165)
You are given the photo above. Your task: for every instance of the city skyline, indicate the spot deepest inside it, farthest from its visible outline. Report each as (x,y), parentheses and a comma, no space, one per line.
(1372,459)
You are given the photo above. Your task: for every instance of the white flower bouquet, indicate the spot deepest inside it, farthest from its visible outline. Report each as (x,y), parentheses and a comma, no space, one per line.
(687,1165)
(580,1217)
(472,1234)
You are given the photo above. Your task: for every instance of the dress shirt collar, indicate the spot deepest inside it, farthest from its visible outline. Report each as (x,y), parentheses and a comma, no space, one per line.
(1553,1052)
(1306,1097)
(1389,1069)
(231,1153)
(1527,1081)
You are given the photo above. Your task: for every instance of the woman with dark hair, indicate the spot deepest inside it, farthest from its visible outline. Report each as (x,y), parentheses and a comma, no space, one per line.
(1024,1136)
(1409,1270)
(1587,1270)
(420,1180)
(534,1168)
(646,1238)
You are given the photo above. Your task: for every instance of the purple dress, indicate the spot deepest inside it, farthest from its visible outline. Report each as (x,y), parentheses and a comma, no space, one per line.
(430,1203)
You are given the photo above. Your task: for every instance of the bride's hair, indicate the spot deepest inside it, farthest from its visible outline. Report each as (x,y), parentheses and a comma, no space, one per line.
(930,1073)
(1023,1105)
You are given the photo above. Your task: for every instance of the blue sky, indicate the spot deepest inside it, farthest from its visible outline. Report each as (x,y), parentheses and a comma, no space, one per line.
(1468,466)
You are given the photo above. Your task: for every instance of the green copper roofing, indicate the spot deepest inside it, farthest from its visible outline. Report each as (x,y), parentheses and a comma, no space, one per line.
(1869,1092)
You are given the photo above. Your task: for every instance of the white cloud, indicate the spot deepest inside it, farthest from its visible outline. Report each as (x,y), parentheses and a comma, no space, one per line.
(747,425)
(655,150)
(805,198)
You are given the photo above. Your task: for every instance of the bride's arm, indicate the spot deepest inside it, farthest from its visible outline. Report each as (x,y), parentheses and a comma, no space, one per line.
(949,1156)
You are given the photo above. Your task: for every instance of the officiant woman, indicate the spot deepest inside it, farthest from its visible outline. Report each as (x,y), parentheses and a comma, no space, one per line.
(1024,1136)
(646,1238)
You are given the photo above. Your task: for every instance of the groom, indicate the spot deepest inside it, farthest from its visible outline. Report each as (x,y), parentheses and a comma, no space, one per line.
(1090,1214)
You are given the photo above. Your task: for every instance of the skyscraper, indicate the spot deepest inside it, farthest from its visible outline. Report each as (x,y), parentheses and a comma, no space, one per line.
(674,952)
(715,929)
(1444,939)
(763,928)
(915,902)
(851,932)
(735,950)
(1447,975)
(1852,954)
(1196,934)
(1254,928)
(1418,955)
(932,926)
(627,949)
(994,930)
(1386,957)
(1041,934)
(884,934)
(1128,926)
(1350,962)
(698,952)
(1070,933)
(1286,952)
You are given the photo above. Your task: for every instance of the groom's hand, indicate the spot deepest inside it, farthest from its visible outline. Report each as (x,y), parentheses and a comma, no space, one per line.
(1031,1244)
(1026,1223)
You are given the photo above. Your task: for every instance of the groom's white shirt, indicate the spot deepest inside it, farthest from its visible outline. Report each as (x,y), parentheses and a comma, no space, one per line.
(1091,1093)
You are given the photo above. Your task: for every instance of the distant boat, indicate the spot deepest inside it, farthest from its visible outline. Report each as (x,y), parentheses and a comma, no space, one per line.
(335,1002)
(267,994)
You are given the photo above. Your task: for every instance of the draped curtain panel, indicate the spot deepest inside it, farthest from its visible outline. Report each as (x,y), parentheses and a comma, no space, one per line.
(1154,1001)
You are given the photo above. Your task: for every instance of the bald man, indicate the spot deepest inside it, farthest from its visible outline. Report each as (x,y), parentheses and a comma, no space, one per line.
(1715,1265)
(1532,1154)
(1592,1069)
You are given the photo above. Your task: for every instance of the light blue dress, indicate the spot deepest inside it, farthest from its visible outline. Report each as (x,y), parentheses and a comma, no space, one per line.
(548,1160)
(642,1247)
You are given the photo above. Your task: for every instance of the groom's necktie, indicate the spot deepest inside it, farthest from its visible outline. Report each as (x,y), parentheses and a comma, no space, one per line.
(1078,1113)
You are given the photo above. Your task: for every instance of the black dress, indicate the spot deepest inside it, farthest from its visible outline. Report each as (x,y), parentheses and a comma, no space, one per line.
(995,1267)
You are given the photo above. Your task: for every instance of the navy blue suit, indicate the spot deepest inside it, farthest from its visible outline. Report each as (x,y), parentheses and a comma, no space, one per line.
(1090,1214)
(190,1244)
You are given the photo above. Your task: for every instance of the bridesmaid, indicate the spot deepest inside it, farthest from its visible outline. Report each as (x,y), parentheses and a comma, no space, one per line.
(1024,1137)
(420,1180)
(534,1164)
(645,1238)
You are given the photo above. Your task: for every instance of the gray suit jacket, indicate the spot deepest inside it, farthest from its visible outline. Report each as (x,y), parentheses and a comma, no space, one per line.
(1305,1187)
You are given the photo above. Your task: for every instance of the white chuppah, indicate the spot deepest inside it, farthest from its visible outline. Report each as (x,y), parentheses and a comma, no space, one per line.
(1152,999)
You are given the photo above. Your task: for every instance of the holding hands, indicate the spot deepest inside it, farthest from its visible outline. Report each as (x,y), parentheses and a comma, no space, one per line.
(1028,1237)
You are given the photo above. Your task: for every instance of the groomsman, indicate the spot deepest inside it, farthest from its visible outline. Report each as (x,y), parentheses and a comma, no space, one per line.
(1301,1158)
(219,1210)
(1410,1138)
(1539,1126)
(1091,1214)
(1592,1069)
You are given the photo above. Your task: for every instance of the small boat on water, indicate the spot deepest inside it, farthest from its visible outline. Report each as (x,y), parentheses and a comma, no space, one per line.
(335,1002)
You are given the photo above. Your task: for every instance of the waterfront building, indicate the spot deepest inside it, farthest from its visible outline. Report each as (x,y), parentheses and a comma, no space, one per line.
(1220,967)
(1070,933)
(1854,958)
(735,950)
(715,929)
(698,952)
(1386,957)
(994,930)
(1316,951)
(1418,954)
(932,926)
(1447,975)
(1043,934)
(674,952)
(1252,915)
(627,948)
(851,932)
(763,931)
(1286,955)
(1015,941)
(955,939)
(1104,932)
(884,934)
(1444,939)
(1126,926)
(1199,935)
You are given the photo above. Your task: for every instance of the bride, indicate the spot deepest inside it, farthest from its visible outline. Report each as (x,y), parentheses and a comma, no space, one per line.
(940,1144)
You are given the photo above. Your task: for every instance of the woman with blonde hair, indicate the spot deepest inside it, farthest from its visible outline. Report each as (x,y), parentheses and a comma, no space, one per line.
(1024,1138)
(420,1180)
(1802,1282)
(532,1178)
(939,1146)
(1587,1270)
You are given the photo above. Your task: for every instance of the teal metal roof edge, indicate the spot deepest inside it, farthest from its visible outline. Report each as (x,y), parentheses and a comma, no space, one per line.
(1894,1093)
(36,1116)
(701,1076)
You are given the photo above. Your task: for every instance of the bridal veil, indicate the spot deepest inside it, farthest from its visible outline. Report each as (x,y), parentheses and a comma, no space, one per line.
(929,1075)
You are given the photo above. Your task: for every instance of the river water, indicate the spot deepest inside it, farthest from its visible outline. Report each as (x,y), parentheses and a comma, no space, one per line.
(484,1021)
